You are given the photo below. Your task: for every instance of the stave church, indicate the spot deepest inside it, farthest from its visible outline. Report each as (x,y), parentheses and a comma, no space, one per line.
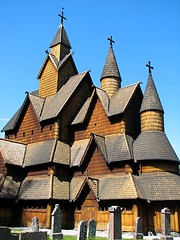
(87,148)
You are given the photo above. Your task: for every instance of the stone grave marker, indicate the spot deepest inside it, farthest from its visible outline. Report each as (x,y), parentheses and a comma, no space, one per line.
(91,231)
(165,224)
(82,231)
(56,221)
(115,230)
(35,224)
(139,228)
(33,236)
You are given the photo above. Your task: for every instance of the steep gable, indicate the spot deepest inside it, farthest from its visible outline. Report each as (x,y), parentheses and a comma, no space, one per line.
(48,79)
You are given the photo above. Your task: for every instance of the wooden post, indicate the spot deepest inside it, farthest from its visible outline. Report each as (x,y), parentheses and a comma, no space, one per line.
(48,219)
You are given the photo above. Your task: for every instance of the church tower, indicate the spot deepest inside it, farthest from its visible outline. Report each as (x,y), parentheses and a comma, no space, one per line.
(58,66)
(110,78)
(151,112)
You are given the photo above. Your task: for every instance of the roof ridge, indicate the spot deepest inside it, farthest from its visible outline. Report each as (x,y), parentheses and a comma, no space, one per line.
(133,185)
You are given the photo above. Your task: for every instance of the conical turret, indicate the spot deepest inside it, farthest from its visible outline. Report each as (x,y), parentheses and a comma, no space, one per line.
(110,78)
(151,108)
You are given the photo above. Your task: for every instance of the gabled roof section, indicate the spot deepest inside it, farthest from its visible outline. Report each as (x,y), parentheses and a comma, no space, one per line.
(119,147)
(57,64)
(12,152)
(110,68)
(53,60)
(76,186)
(105,100)
(151,100)
(114,148)
(45,152)
(13,121)
(61,37)
(120,101)
(100,141)
(153,145)
(55,104)
(37,103)
(80,117)
(117,104)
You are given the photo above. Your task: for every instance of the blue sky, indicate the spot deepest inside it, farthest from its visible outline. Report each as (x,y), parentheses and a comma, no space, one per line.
(142,30)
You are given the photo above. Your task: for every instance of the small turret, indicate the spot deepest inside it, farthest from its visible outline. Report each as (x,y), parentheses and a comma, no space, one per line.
(110,78)
(152,113)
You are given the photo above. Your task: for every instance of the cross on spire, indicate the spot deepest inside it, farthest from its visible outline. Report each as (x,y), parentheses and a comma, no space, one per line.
(149,66)
(111,41)
(62,16)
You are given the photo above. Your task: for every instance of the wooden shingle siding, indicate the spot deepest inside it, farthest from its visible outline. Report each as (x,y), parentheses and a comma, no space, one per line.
(159,167)
(96,165)
(152,120)
(110,85)
(48,80)
(56,51)
(99,123)
(30,129)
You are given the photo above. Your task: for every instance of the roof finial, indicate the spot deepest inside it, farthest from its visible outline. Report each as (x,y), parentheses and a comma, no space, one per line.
(46,51)
(62,16)
(149,66)
(111,41)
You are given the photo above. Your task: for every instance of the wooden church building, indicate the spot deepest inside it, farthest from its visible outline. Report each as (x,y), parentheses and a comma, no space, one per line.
(87,148)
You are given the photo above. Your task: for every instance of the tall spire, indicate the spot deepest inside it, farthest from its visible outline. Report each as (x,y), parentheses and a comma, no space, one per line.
(151,100)
(110,78)
(151,111)
(60,45)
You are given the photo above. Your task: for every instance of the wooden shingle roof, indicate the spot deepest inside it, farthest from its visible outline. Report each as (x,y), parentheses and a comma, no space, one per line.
(78,150)
(151,100)
(120,186)
(111,68)
(114,148)
(46,151)
(61,37)
(60,189)
(35,153)
(76,187)
(159,186)
(153,145)
(12,152)
(54,104)
(35,188)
